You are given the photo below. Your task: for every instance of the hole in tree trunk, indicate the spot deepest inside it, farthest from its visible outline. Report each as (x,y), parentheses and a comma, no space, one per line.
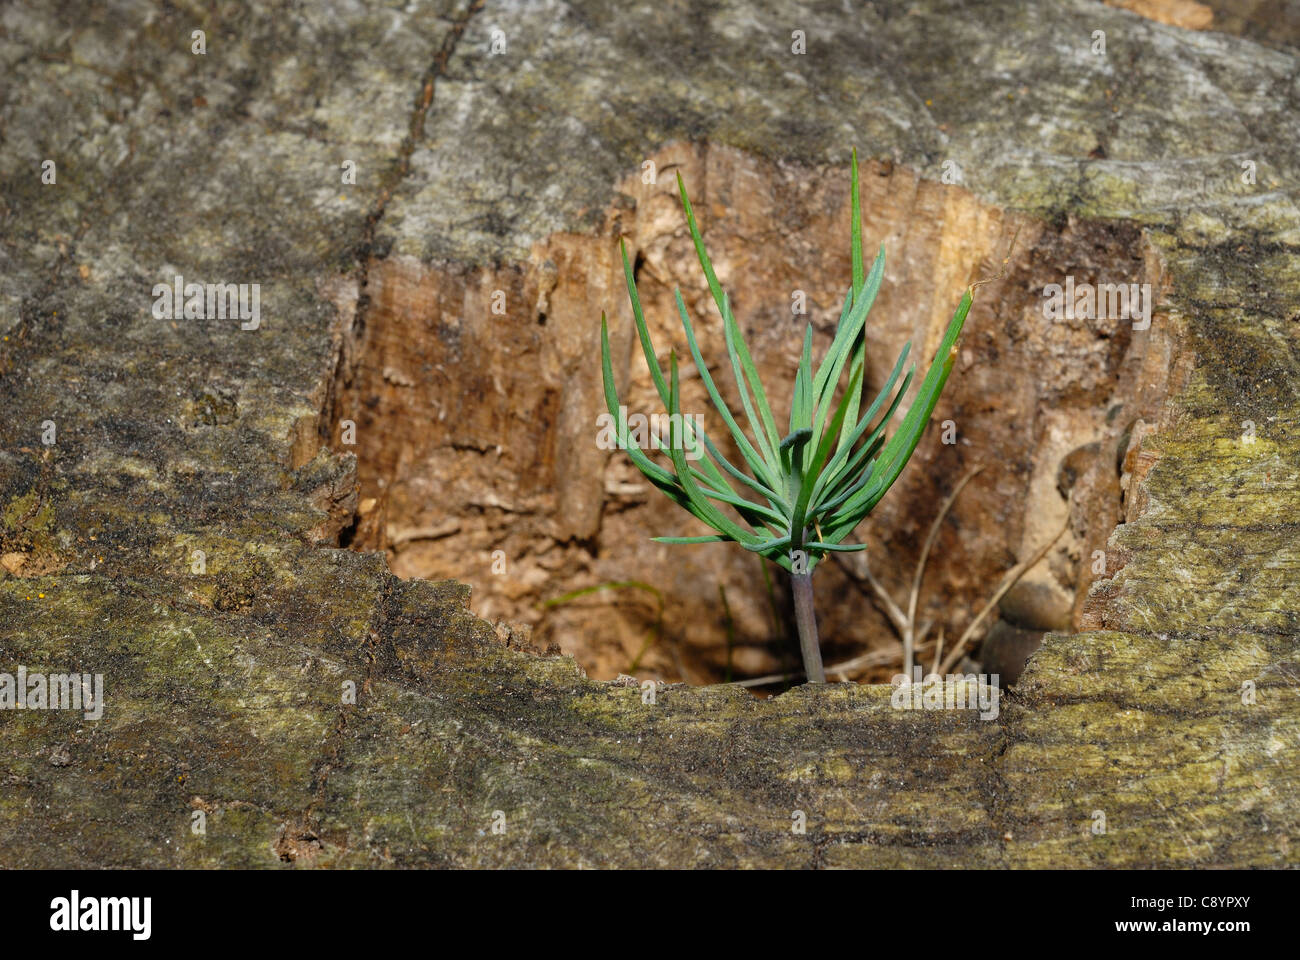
(475,393)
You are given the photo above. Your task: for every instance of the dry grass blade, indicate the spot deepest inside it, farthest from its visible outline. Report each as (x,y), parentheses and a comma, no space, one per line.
(938,652)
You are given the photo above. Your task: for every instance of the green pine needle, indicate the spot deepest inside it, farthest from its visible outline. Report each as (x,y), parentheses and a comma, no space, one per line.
(820,480)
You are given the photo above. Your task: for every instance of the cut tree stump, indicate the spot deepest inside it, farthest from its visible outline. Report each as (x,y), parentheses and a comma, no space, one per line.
(192,444)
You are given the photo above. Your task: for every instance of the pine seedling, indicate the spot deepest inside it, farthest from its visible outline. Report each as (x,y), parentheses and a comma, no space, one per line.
(808,488)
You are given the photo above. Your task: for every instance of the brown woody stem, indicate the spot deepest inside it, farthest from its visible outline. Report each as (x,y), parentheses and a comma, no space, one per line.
(806,620)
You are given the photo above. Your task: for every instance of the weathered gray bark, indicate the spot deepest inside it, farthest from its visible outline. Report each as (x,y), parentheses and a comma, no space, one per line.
(224,688)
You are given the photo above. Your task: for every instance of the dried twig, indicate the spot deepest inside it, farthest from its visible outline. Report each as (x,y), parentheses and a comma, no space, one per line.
(905,623)
(909,639)
(1010,580)
(871,659)
(896,616)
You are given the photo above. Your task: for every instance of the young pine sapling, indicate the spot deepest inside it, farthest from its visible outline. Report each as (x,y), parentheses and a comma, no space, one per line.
(810,487)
